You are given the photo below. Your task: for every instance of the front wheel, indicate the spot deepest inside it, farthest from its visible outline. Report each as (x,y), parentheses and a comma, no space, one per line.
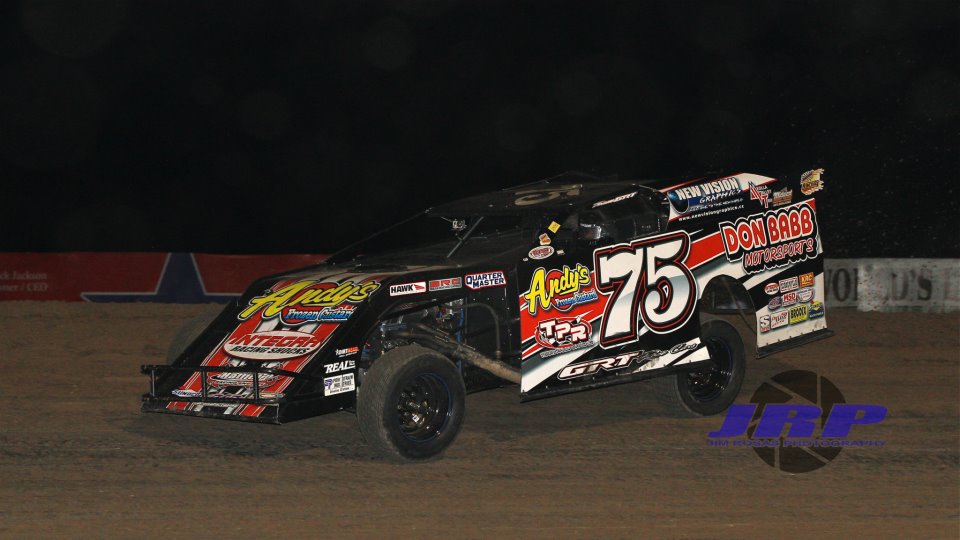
(411,403)
(710,390)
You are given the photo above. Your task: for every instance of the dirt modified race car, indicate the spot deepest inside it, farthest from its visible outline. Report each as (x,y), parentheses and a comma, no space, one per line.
(566,284)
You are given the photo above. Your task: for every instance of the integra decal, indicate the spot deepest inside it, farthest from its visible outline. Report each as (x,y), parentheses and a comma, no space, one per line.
(273,345)
(558,288)
(309,295)
(772,239)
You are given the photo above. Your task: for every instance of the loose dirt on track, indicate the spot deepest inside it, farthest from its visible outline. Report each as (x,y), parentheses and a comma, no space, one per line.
(78,459)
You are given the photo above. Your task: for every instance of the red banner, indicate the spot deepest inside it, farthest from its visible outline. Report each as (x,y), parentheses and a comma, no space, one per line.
(137,277)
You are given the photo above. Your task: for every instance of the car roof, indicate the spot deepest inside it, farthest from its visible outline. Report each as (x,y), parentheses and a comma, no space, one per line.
(554,194)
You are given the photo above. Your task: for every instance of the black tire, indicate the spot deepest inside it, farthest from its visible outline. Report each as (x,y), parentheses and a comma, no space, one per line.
(710,390)
(411,403)
(190,331)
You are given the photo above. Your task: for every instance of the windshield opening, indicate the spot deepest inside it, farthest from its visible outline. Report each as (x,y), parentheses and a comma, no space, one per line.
(429,239)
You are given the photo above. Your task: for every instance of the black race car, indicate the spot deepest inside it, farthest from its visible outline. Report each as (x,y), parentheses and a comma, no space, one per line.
(566,284)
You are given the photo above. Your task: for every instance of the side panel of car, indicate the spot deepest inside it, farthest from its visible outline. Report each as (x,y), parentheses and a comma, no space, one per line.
(606,299)
(608,307)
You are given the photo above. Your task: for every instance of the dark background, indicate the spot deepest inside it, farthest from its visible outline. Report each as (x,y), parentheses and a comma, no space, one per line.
(259,127)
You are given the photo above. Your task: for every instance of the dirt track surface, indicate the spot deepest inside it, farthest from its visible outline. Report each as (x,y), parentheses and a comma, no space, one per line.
(77,459)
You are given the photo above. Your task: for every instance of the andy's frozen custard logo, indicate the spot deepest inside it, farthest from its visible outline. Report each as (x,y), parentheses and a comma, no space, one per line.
(295,302)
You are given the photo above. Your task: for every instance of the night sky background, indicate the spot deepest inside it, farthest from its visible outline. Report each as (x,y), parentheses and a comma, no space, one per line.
(296,127)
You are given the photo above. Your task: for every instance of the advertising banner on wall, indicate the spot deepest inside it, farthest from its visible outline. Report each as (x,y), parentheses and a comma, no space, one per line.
(893,284)
(181,278)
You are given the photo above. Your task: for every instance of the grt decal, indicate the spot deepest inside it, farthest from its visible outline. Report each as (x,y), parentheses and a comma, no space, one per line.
(557,288)
(772,239)
(647,278)
(307,294)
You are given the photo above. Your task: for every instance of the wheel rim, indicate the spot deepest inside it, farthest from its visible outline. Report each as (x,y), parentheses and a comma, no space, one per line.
(709,383)
(424,407)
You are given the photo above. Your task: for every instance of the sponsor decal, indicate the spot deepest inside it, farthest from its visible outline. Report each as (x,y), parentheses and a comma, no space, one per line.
(563,333)
(294,317)
(806,280)
(771,239)
(528,197)
(811,181)
(782,197)
(764,324)
(483,280)
(446,283)
(775,303)
(553,288)
(544,239)
(240,378)
(179,392)
(805,295)
(760,193)
(789,299)
(797,422)
(779,319)
(339,366)
(272,345)
(308,295)
(705,195)
(816,310)
(415,287)
(640,358)
(347,351)
(771,288)
(614,200)
(338,384)
(789,284)
(541,252)
(553,227)
(798,313)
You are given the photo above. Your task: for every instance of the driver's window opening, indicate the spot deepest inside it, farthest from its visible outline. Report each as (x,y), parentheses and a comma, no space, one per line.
(615,223)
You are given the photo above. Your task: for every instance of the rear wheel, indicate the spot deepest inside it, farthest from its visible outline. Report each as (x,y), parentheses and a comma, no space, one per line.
(712,389)
(411,403)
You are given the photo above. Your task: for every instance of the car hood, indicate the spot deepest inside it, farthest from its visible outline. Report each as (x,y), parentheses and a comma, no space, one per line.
(318,300)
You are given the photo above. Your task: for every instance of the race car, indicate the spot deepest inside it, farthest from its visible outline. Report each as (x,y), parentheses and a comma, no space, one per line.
(571,283)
